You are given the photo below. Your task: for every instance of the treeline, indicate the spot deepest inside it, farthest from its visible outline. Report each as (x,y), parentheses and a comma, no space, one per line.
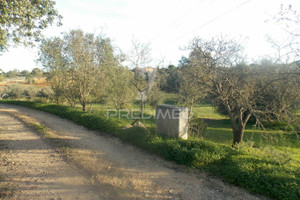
(36,72)
(29,76)
(84,67)
(19,84)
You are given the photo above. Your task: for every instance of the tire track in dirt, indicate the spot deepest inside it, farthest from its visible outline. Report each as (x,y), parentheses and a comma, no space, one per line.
(33,170)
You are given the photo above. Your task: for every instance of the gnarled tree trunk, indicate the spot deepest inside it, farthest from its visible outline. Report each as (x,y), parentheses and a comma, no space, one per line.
(238,135)
(238,123)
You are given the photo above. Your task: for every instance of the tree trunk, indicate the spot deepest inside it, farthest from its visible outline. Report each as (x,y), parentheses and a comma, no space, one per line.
(83,106)
(57,100)
(142,109)
(238,135)
(238,128)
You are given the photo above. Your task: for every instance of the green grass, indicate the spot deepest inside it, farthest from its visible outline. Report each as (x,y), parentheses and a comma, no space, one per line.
(206,111)
(218,126)
(222,133)
(273,171)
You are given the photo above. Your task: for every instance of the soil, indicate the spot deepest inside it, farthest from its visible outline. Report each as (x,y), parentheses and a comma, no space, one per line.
(93,165)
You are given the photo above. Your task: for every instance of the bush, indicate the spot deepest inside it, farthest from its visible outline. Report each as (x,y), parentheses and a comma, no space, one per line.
(260,174)
(18,91)
(14,91)
(46,93)
(197,127)
(30,92)
(155,97)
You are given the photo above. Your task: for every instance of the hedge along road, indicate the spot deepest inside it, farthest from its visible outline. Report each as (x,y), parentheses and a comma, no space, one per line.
(72,162)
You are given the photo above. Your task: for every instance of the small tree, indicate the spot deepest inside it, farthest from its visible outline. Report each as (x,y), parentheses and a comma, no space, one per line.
(76,64)
(120,91)
(51,55)
(31,92)
(144,78)
(87,55)
(1,77)
(169,79)
(14,91)
(37,73)
(190,92)
(46,93)
(243,91)
(29,79)
(155,97)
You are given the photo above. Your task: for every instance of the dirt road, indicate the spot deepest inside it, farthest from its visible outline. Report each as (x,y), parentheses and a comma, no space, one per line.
(93,165)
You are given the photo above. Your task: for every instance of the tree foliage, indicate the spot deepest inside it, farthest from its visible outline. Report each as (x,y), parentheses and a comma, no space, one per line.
(190,92)
(119,89)
(169,80)
(52,58)
(37,72)
(21,21)
(77,64)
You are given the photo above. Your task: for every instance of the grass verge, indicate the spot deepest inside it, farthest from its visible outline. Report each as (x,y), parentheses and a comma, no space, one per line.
(268,171)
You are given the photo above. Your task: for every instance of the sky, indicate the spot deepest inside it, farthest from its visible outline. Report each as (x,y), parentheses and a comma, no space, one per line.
(168,25)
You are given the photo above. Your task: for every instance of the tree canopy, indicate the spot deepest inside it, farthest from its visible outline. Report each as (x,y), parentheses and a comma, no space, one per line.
(21,21)
(77,64)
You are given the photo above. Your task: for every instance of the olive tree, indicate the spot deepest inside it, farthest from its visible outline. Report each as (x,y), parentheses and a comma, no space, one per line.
(76,64)
(190,91)
(244,91)
(31,92)
(87,56)
(13,91)
(21,21)
(119,89)
(144,77)
(51,56)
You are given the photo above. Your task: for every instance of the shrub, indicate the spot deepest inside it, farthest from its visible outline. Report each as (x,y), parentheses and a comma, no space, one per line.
(30,92)
(197,127)
(14,91)
(155,97)
(46,92)
(18,91)
(260,174)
